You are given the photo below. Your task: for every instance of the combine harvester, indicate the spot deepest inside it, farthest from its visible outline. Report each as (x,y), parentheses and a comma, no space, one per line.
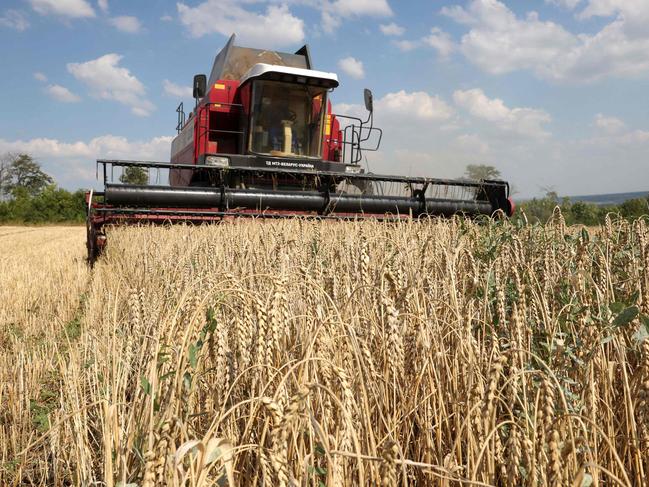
(263,142)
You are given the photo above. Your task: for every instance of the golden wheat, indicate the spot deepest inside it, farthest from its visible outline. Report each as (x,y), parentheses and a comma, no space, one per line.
(441,352)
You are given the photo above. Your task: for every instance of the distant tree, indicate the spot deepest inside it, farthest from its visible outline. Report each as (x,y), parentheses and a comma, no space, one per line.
(5,166)
(634,208)
(134,175)
(481,171)
(25,176)
(585,213)
(52,205)
(541,209)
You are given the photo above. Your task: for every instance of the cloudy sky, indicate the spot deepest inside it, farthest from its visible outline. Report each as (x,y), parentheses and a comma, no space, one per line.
(555,93)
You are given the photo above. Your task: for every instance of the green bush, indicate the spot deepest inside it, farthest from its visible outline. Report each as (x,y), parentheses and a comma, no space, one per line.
(582,213)
(52,205)
(634,208)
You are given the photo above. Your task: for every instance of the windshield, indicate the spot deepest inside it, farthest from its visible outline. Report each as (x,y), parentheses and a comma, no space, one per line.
(287,119)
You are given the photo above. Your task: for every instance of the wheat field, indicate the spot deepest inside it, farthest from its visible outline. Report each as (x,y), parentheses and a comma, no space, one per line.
(290,353)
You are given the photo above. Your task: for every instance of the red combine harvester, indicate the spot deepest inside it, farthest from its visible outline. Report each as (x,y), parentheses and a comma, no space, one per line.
(263,142)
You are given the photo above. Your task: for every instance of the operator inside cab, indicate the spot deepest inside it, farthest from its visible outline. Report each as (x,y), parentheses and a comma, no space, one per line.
(287,119)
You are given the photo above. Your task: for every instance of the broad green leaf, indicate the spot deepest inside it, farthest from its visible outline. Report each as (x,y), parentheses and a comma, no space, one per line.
(193,359)
(209,314)
(626,316)
(146,385)
(587,481)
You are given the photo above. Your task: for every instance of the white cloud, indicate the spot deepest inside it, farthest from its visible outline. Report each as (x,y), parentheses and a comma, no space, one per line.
(275,28)
(610,125)
(352,67)
(40,77)
(440,41)
(345,8)
(334,12)
(569,4)
(472,143)
(109,81)
(619,139)
(635,137)
(523,121)
(630,9)
(419,105)
(64,8)
(500,42)
(103,5)
(61,93)
(14,20)
(392,29)
(176,91)
(437,39)
(126,23)
(405,45)
(166,18)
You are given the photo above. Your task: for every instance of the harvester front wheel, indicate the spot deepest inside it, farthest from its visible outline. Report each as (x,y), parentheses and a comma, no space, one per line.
(95,242)
(91,244)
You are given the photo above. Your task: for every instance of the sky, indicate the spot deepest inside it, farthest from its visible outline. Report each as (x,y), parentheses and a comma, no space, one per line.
(554,93)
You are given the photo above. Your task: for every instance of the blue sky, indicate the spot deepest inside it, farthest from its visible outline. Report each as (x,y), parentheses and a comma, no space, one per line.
(552,92)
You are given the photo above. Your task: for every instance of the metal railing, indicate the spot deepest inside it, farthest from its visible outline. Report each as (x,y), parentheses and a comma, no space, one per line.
(354,134)
(181,118)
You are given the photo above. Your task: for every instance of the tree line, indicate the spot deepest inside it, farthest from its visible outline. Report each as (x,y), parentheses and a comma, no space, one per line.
(29,195)
(578,212)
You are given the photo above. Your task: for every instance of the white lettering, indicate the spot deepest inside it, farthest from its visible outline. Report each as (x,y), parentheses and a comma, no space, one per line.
(290,165)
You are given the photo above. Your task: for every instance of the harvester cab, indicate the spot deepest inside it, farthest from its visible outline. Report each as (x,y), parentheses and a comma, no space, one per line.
(262,141)
(266,109)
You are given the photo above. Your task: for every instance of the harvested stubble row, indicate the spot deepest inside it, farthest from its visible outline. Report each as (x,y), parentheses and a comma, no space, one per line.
(304,353)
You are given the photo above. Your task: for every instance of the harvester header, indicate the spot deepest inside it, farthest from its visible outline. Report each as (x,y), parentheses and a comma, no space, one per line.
(262,141)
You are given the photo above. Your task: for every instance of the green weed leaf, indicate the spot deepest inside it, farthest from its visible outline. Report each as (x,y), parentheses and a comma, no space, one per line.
(626,316)
(146,385)
(193,355)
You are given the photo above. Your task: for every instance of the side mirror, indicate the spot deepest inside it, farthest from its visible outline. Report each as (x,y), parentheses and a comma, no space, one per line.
(369,100)
(200,86)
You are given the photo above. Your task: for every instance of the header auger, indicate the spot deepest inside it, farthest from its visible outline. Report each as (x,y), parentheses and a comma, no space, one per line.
(263,142)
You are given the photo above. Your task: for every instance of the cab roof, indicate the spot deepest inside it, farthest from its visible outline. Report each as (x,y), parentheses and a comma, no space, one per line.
(290,74)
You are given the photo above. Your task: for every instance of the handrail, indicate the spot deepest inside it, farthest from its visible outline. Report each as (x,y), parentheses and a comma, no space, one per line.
(355,132)
(181,118)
